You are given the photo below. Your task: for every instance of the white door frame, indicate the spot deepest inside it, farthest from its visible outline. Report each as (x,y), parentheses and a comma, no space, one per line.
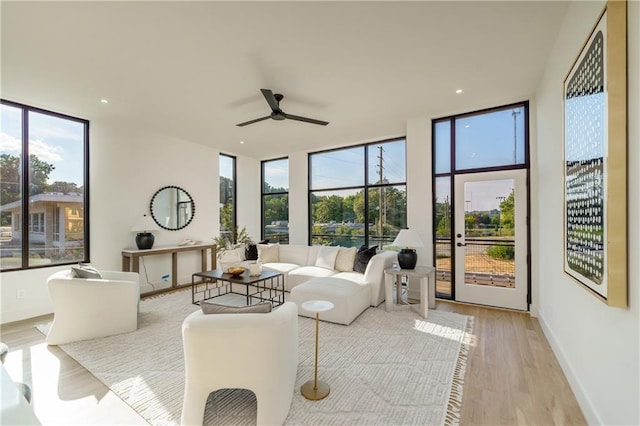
(511,298)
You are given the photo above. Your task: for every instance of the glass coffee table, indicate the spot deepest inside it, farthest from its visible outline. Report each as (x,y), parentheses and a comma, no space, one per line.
(268,286)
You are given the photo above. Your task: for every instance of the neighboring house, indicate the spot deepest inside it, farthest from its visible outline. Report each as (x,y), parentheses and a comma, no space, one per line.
(56,221)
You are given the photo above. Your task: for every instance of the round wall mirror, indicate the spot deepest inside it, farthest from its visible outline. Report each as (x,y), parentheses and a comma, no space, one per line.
(172,208)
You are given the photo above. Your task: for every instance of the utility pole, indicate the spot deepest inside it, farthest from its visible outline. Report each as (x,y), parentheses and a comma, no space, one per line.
(381,206)
(515,113)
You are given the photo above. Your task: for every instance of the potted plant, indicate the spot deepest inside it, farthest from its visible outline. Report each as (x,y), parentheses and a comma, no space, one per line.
(230,247)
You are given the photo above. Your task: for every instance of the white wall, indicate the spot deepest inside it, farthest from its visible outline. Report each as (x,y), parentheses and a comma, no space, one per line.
(127,166)
(248,193)
(597,346)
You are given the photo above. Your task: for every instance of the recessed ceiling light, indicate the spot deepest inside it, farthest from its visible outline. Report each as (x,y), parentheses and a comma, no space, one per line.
(241,142)
(104,101)
(459,91)
(466,126)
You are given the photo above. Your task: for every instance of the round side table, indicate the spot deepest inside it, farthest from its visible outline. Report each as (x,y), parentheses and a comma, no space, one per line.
(315,389)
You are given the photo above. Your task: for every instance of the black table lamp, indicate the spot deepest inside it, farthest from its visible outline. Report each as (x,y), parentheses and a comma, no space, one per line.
(143,226)
(407,240)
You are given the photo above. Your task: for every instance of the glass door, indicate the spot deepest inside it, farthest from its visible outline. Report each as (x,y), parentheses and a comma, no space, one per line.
(490,241)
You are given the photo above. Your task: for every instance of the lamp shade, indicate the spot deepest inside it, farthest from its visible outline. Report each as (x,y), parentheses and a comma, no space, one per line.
(407,258)
(145,224)
(407,238)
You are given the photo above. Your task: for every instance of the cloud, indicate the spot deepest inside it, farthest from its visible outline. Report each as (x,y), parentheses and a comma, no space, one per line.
(45,152)
(9,144)
(54,132)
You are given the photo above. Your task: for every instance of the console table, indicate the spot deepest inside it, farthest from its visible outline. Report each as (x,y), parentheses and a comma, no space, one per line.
(131,258)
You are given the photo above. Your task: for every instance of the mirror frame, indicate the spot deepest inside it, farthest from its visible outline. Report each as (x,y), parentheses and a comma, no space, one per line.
(193,207)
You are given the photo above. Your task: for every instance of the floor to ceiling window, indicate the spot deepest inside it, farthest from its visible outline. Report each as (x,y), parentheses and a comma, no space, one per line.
(44,181)
(358,194)
(275,200)
(227,165)
(477,161)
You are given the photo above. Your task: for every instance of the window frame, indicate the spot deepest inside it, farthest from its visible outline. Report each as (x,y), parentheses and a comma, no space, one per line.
(234,215)
(24,217)
(365,187)
(264,194)
(453,171)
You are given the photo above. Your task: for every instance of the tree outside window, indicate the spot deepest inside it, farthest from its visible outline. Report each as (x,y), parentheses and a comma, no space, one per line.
(358,194)
(275,200)
(32,231)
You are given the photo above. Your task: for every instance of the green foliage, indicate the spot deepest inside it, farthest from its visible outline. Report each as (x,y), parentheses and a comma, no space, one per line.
(470,221)
(276,207)
(226,217)
(11,181)
(507,211)
(444,227)
(227,241)
(501,252)
(10,177)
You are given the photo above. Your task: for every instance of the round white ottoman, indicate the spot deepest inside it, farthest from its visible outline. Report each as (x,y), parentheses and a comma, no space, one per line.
(350,299)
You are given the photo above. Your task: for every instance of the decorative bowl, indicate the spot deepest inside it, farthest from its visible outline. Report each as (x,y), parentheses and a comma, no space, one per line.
(236,270)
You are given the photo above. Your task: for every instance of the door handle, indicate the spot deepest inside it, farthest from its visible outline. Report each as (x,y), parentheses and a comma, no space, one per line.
(461,244)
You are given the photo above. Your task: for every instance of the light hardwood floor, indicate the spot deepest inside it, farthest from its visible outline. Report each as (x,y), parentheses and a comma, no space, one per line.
(512,378)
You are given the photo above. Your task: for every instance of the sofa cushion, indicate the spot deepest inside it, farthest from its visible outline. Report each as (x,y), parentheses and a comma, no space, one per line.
(231,256)
(85,271)
(294,253)
(251,252)
(312,255)
(305,273)
(216,308)
(349,299)
(363,257)
(327,257)
(269,253)
(353,276)
(345,259)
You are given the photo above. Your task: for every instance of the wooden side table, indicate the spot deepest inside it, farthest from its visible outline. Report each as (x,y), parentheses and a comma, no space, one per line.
(427,275)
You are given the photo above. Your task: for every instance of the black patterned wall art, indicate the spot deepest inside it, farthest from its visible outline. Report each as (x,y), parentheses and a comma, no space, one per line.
(594,240)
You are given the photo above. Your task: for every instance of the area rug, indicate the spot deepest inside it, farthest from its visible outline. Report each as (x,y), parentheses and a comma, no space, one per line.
(385,368)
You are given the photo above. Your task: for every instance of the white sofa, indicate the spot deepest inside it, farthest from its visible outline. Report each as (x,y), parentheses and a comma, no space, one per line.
(298,264)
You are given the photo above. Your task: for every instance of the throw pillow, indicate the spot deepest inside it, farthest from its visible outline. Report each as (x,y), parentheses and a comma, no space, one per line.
(251,252)
(363,257)
(216,308)
(231,256)
(345,259)
(327,257)
(269,253)
(85,271)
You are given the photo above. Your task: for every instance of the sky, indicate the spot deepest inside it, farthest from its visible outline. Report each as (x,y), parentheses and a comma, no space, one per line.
(485,140)
(345,167)
(54,140)
(226,166)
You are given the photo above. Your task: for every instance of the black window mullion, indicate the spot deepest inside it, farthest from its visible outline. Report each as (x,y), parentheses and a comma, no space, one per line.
(366,195)
(25,188)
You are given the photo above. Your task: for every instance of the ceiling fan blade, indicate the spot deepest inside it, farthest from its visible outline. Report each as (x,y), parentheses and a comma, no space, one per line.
(306,120)
(253,121)
(271,99)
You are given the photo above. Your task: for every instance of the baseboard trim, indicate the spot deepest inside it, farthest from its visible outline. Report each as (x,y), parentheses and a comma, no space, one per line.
(576,386)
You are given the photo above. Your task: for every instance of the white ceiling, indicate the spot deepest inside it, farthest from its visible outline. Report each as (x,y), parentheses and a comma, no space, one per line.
(194,70)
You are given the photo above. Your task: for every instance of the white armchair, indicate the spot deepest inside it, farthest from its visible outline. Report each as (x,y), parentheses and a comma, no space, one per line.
(258,352)
(91,308)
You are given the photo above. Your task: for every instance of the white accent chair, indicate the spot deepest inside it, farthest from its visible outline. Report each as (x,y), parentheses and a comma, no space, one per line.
(90,308)
(258,352)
